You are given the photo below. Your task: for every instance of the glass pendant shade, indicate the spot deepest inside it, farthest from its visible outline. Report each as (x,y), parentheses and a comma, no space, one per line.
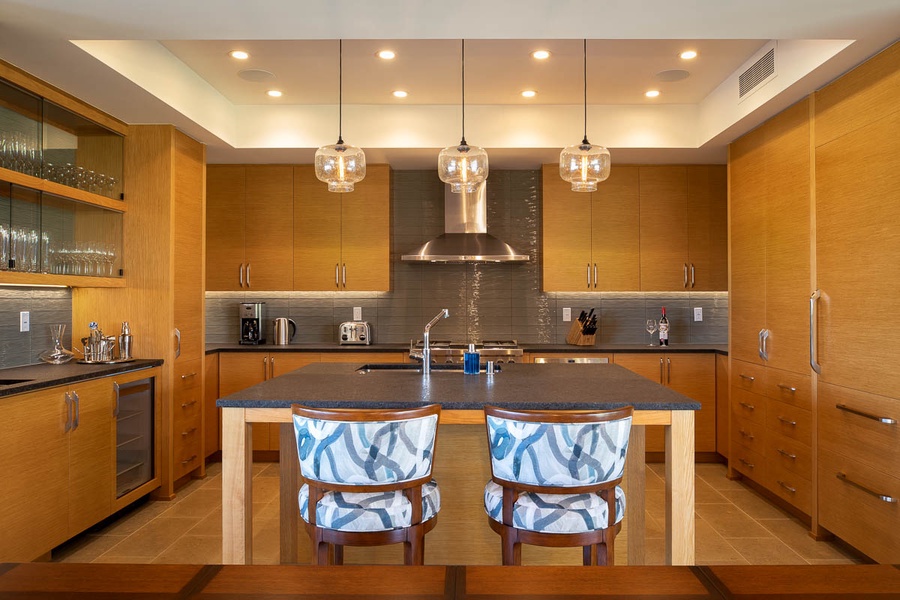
(464,167)
(340,166)
(584,166)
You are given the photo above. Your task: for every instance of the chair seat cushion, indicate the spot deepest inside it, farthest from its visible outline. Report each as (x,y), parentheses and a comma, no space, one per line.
(362,511)
(553,513)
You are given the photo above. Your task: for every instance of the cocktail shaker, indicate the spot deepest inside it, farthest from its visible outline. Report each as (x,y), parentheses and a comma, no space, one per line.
(125,342)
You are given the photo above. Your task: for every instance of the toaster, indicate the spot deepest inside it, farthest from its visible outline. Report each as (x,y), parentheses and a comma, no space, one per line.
(356,332)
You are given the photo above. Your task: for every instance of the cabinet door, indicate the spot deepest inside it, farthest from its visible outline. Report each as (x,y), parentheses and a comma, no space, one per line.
(694,375)
(226,187)
(189,226)
(268,230)
(664,247)
(616,226)
(747,197)
(707,202)
(92,456)
(566,235)
(34,463)
(857,253)
(366,232)
(239,370)
(317,233)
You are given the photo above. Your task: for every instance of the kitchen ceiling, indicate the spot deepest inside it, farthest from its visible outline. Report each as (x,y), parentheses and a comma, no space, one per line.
(167,61)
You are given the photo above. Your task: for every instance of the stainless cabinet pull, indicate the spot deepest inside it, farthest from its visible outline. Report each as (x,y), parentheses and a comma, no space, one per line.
(265,367)
(787,421)
(248,274)
(661,371)
(177,342)
(589,275)
(885,420)
(595,275)
(668,370)
(748,464)
(188,376)
(272,366)
(763,338)
(337,275)
(812,332)
(685,284)
(189,460)
(116,389)
(883,497)
(693,280)
(748,377)
(746,435)
(747,406)
(792,490)
(787,454)
(242,275)
(187,404)
(188,432)
(344,275)
(68,413)
(787,387)
(77,410)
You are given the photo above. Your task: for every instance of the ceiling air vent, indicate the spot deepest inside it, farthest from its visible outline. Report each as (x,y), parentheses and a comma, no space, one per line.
(757,74)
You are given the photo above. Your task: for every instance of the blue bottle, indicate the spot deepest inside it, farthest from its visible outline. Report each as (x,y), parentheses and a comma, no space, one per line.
(471,361)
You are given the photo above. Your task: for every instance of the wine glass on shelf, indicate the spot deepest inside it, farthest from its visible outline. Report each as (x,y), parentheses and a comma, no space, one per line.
(651,327)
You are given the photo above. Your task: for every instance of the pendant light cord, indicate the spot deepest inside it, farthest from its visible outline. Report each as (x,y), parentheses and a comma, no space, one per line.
(463,140)
(340,91)
(584,61)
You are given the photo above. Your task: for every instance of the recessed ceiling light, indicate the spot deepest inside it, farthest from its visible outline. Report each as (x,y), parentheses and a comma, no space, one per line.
(274,93)
(400,94)
(529,94)
(541,54)
(688,54)
(386,54)
(239,54)
(652,93)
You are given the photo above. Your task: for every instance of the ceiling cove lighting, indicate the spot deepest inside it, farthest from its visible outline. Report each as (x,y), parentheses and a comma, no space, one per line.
(584,165)
(463,166)
(340,165)
(688,54)
(651,93)
(386,54)
(274,93)
(541,54)
(239,54)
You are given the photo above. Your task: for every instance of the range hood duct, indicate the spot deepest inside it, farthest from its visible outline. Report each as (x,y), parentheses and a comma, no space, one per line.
(465,237)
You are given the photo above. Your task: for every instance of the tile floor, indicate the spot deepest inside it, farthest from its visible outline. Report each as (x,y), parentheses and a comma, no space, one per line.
(734,525)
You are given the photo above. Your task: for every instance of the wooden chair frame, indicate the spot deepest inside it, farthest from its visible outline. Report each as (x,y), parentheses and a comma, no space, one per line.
(328,544)
(598,546)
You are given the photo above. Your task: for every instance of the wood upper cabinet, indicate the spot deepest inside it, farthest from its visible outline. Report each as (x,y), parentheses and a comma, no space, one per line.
(249,227)
(342,242)
(591,240)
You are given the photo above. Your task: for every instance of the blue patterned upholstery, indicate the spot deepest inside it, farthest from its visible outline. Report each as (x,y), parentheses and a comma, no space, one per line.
(366,453)
(559,455)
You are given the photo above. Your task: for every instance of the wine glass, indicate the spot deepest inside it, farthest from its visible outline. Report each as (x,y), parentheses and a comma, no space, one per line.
(651,327)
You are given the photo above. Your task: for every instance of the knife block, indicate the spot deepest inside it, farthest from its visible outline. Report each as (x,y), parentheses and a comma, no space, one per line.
(576,338)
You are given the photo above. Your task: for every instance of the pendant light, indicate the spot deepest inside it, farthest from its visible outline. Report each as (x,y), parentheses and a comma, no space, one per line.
(584,165)
(340,165)
(464,167)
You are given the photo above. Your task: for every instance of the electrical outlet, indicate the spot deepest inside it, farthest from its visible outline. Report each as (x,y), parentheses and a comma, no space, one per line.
(357,313)
(24,321)
(567,314)
(698,313)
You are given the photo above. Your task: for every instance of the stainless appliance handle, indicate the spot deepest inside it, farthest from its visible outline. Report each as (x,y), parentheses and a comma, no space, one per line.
(337,275)
(116,388)
(693,279)
(885,420)
(763,338)
(883,497)
(812,332)
(68,413)
(77,410)
(177,342)
(685,284)
(242,275)
(595,275)
(344,275)
(589,275)
(248,274)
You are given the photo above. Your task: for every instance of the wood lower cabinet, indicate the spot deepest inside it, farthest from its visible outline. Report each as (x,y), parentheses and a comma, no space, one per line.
(212,435)
(692,374)
(187,418)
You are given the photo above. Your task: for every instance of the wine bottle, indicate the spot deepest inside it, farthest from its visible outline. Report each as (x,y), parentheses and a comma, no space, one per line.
(663,328)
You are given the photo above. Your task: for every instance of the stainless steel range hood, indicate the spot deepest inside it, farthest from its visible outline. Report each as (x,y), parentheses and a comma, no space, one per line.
(465,237)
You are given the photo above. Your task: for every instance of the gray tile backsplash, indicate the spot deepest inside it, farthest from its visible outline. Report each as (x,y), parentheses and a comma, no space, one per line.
(499,301)
(46,307)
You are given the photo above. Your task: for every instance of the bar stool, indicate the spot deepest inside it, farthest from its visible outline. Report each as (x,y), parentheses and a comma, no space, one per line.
(553,474)
(367,479)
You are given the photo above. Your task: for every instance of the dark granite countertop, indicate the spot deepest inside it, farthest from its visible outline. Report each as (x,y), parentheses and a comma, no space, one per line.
(517,386)
(47,375)
(533,348)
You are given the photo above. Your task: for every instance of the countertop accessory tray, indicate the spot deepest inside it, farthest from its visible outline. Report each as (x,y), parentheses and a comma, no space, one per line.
(105,362)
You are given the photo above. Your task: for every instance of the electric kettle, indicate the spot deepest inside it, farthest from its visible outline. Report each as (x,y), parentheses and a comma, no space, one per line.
(285,330)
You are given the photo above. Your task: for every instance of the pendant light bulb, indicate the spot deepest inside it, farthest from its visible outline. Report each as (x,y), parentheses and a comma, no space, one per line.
(340,165)
(584,165)
(463,166)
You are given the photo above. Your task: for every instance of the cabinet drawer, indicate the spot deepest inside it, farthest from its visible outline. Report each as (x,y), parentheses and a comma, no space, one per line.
(790,486)
(790,388)
(859,517)
(789,420)
(862,438)
(186,395)
(745,405)
(748,377)
(186,456)
(788,453)
(750,463)
(748,434)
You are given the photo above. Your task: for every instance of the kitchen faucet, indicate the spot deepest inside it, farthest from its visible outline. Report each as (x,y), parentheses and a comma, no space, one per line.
(425,354)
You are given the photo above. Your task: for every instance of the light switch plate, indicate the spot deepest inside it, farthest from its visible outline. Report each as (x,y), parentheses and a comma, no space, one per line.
(567,314)
(698,313)
(24,321)
(357,313)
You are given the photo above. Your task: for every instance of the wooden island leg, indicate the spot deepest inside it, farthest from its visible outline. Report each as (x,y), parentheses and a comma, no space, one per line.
(634,495)
(237,488)
(680,489)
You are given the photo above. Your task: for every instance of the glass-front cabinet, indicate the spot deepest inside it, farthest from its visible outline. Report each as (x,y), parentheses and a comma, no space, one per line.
(61,192)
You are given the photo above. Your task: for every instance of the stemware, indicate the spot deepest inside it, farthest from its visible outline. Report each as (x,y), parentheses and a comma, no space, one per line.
(651,326)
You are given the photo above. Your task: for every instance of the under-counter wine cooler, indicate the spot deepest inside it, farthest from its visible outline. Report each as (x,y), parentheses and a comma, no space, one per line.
(134,434)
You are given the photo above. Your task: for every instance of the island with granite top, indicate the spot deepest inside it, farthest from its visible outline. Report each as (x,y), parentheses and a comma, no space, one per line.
(462,397)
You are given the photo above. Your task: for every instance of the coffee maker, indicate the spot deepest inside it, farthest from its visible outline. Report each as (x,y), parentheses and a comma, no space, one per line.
(253,322)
